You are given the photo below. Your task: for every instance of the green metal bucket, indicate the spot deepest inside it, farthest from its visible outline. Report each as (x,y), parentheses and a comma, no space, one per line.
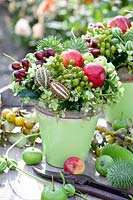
(65,137)
(124,108)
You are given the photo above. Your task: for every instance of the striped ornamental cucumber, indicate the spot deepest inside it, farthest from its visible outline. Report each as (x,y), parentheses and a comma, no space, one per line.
(116,152)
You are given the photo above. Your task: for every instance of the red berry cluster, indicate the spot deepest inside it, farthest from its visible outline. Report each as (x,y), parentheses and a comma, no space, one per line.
(20,69)
(42,55)
(93,46)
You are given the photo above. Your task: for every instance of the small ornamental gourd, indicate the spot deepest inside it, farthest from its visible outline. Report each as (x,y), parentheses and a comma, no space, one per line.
(59,90)
(43,77)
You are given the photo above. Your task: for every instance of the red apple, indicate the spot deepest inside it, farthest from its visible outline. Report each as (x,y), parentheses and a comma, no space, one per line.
(121,22)
(74,165)
(72,55)
(95,73)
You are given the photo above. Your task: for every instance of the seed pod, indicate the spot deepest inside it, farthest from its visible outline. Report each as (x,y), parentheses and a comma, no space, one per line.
(59,90)
(43,77)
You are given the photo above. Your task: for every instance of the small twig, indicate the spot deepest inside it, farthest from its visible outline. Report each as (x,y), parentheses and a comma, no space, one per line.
(27,136)
(10,57)
(81,196)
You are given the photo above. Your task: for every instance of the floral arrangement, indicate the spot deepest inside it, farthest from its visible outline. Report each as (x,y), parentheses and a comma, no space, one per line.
(114,40)
(65,76)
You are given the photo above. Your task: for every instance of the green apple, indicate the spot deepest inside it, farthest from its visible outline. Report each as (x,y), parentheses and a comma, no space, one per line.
(120,123)
(88,57)
(58,193)
(102,164)
(32,156)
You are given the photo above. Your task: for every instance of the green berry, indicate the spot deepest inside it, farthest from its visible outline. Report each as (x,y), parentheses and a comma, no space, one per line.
(80,74)
(82,84)
(113,49)
(107,45)
(85,78)
(65,72)
(70,66)
(74,69)
(107,53)
(79,89)
(102,50)
(102,45)
(71,62)
(75,82)
(60,78)
(90,84)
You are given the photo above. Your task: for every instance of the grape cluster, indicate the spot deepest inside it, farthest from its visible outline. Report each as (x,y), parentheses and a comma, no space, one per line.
(71,76)
(100,41)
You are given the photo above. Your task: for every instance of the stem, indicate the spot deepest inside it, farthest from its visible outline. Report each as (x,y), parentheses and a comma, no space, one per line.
(131,197)
(63,179)
(72,31)
(19,169)
(53,187)
(11,58)
(36,177)
(81,196)
(27,136)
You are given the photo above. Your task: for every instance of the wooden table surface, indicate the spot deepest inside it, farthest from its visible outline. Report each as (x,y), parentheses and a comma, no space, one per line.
(16,185)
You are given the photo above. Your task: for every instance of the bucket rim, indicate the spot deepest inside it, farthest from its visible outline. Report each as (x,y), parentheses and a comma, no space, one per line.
(68,114)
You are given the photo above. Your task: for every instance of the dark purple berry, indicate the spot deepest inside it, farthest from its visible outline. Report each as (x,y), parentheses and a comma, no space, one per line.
(95,52)
(39,62)
(98,25)
(40,55)
(50,52)
(94,43)
(88,39)
(25,64)
(16,65)
(19,74)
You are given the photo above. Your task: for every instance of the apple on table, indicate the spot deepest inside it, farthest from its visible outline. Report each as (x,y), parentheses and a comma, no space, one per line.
(74,165)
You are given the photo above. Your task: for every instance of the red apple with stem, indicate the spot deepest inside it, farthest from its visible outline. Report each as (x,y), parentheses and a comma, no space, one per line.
(95,73)
(121,22)
(74,55)
(74,165)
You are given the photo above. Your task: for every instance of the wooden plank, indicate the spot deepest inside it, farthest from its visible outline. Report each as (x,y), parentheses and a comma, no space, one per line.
(18,186)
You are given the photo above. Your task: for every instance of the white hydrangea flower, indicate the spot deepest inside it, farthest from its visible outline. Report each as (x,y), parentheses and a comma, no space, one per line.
(22,28)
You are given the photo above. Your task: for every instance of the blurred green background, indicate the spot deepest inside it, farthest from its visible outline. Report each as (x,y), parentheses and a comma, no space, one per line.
(42,18)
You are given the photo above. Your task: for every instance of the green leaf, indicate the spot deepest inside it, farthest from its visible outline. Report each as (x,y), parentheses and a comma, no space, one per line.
(128,36)
(28,93)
